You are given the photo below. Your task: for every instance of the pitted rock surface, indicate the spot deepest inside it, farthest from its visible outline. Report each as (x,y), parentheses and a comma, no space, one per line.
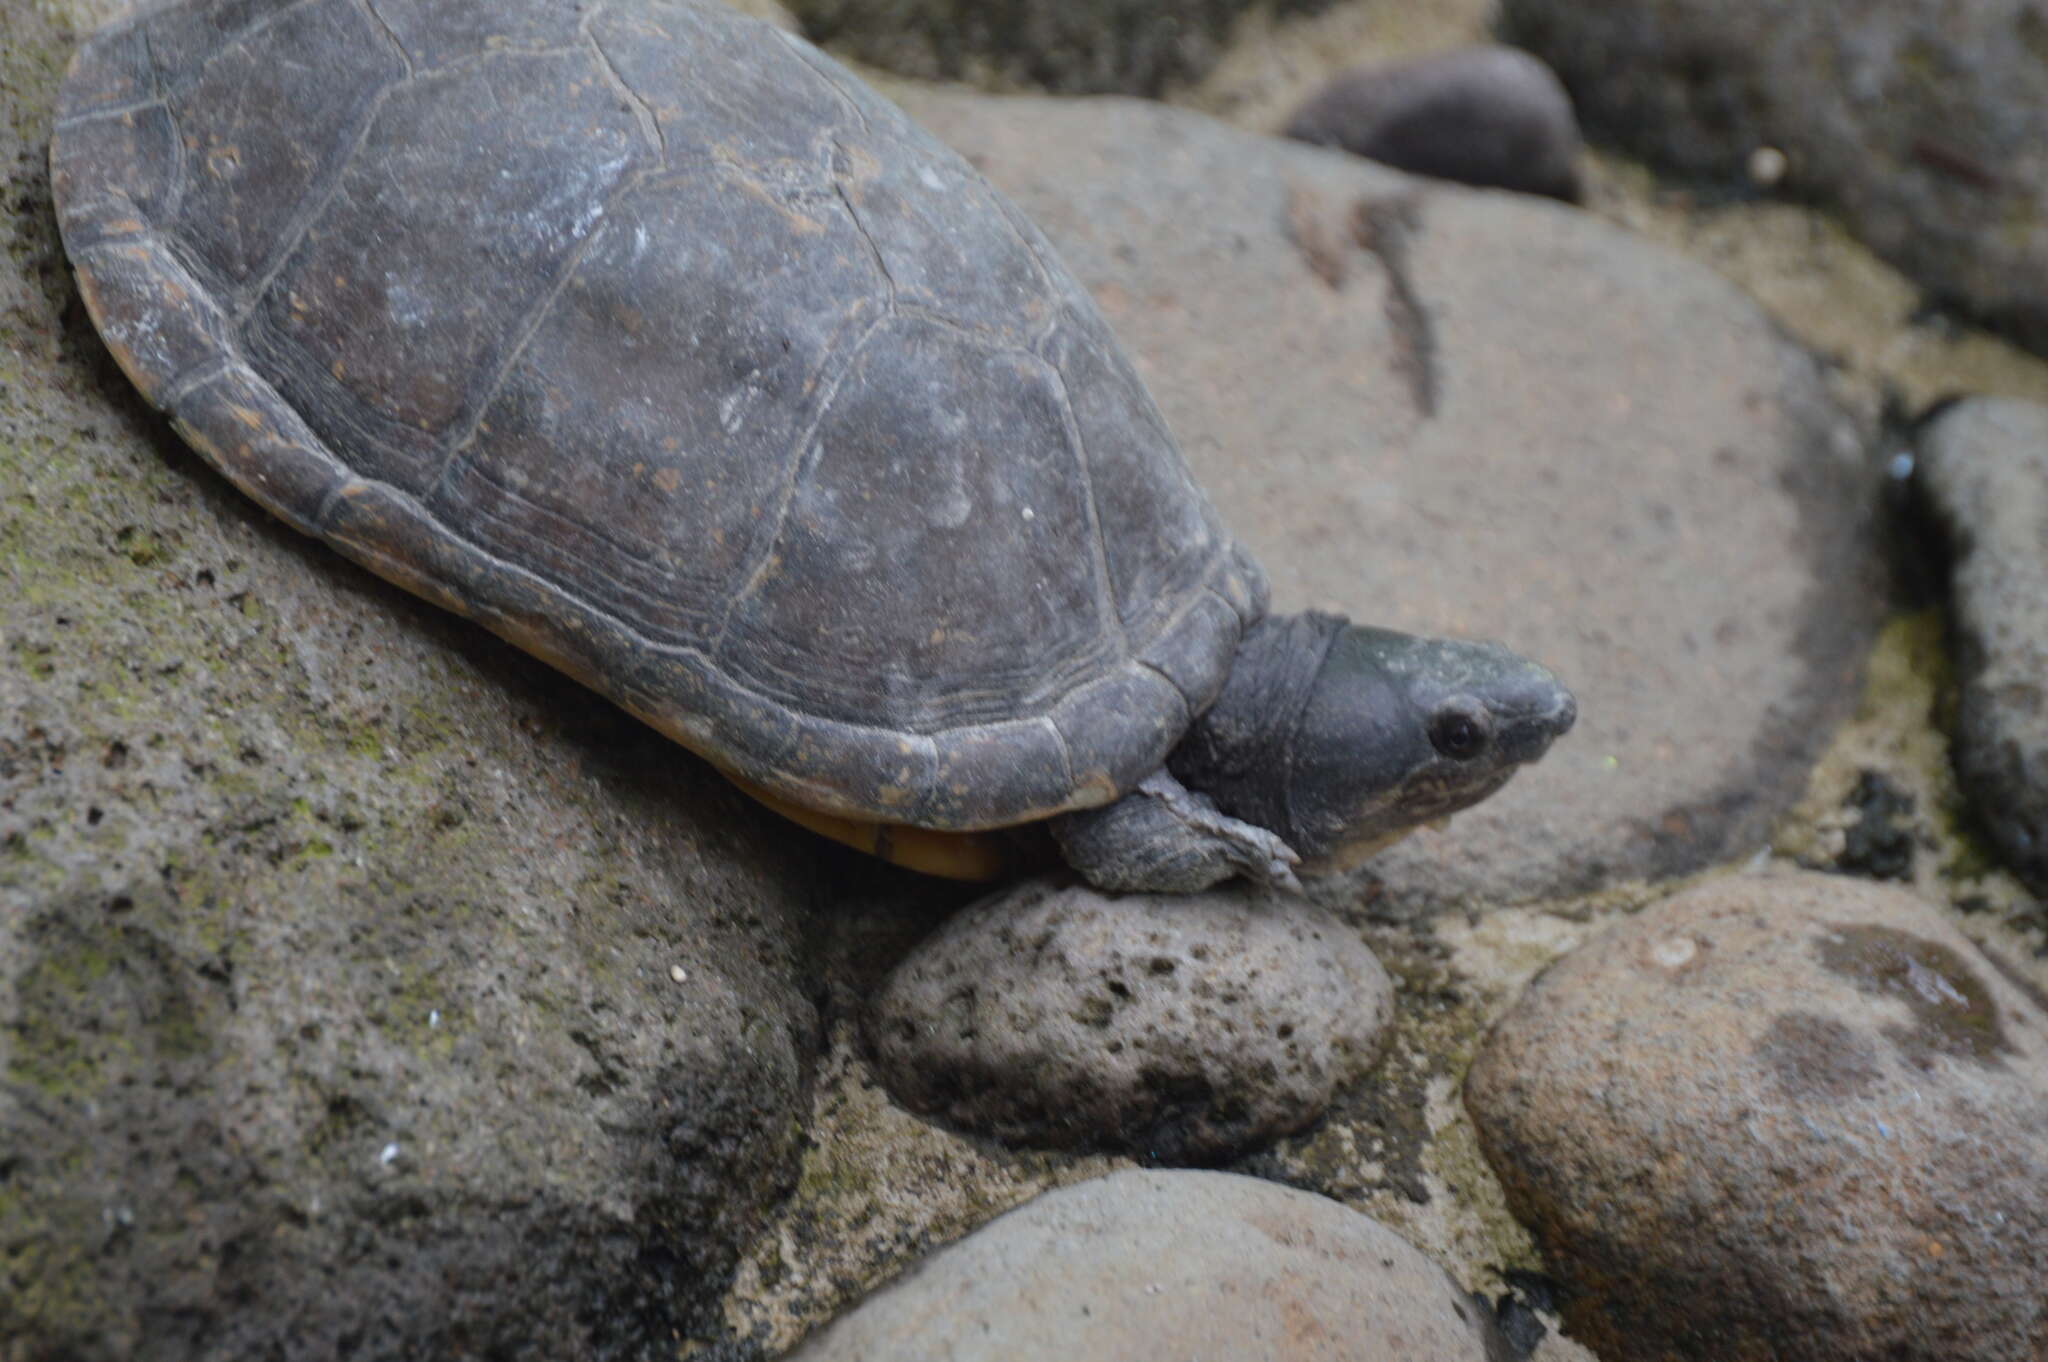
(1165,1266)
(1482,115)
(1983,472)
(1071,46)
(1920,123)
(363,985)
(1789,1116)
(1179,1027)
(1454,412)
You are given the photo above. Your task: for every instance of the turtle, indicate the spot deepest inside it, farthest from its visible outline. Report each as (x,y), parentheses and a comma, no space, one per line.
(647,336)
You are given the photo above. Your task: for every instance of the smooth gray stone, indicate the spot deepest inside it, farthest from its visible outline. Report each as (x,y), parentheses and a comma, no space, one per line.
(1983,472)
(1163,1267)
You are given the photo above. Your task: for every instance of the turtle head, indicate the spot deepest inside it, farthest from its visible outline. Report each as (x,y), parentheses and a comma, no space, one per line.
(1341,738)
(1400,731)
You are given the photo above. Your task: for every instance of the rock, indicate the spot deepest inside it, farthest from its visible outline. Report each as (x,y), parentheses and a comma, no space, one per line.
(1794,1116)
(1075,46)
(1506,420)
(1483,115)
(364,987)
(1179,1027)
(1920,123)
(1983,473)
(1164,1266)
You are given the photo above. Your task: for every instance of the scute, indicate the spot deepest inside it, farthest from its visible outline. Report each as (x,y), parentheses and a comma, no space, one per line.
(646,336)
(940,497)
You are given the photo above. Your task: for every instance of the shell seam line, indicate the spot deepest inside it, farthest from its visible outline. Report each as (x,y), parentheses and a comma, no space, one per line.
(174,192)
(808,55)
(650,125)
(315,208)
(317,204)
(1106,603)
(1045,275)
(853,216)
(799,459)
(135,106)
(1059,741)
(1187,706)
(370,8)
(529,327)
(198,376)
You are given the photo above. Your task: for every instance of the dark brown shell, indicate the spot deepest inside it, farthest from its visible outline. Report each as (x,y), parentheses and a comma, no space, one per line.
(650,338)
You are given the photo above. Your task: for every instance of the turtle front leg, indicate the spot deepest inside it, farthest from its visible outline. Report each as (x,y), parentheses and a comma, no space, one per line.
(1165,838)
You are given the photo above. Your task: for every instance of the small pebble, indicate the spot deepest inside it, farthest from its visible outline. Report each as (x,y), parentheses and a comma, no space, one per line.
(1182,1027)
(1484,115)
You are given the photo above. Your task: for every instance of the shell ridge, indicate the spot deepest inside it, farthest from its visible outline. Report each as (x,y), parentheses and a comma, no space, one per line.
(650,604)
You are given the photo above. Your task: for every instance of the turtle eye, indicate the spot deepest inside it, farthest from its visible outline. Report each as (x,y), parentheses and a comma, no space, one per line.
(1460,729)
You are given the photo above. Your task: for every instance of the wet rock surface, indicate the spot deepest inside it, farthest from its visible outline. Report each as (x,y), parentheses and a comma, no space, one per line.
(1452,412)
(1486,115)
(1920,123)
(364,987)
(1069,46)
(1983,474)
(1178,1027)
(1794,1116)
(1152,1266)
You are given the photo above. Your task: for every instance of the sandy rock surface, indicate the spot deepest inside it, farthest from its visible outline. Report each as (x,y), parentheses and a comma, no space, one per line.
(362,983)
(1453,412)
(1921,123)
(1983,473)
(1180,1028)
(1787,1116)
(1159,1266)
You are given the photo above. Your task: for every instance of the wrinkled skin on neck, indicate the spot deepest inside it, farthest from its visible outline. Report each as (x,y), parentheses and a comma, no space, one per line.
(1341,738)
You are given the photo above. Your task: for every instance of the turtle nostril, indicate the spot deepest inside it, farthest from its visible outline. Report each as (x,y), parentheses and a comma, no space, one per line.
(1565,715)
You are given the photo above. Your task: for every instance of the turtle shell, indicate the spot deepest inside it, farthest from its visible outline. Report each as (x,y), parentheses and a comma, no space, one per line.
(649,337)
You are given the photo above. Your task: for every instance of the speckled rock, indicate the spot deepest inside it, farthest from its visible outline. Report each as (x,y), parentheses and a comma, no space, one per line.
(1781,1117)
(1180,1027)
(1922,122)
(365,988)
(1073,46)
(1482,414)
(1166,1266)
(1983,472)
(1484,115)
